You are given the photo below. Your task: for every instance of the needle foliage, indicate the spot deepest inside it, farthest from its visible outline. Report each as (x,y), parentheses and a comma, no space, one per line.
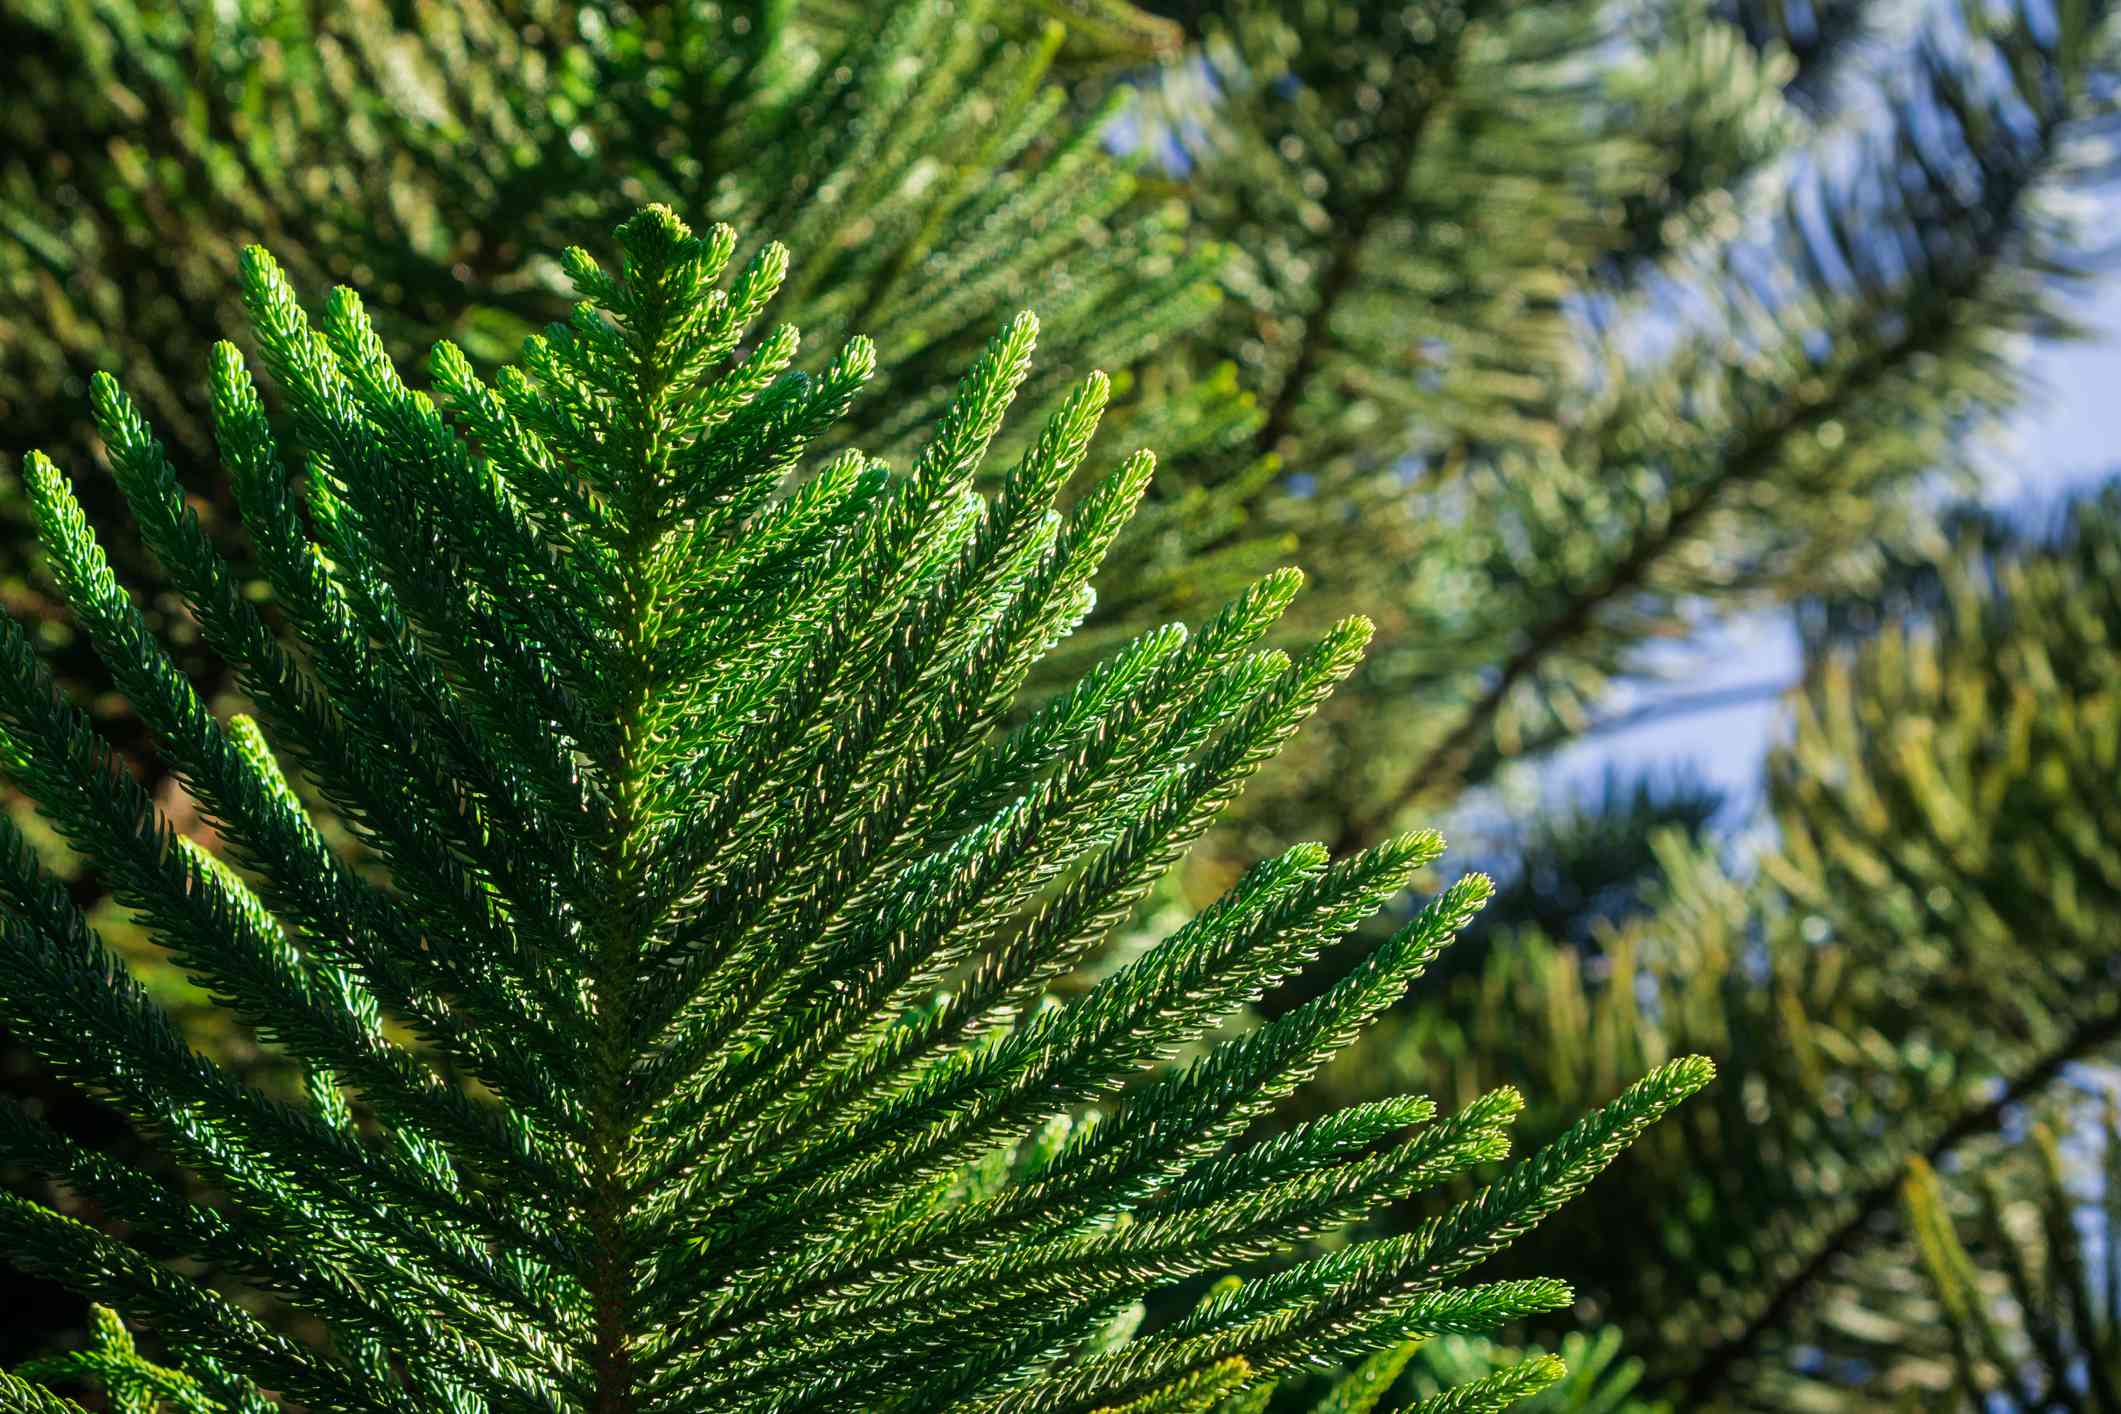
(675,1037)
(1925,954)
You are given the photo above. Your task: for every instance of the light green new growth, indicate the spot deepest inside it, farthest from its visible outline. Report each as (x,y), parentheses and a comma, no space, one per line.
(134,1385)
(677,1038)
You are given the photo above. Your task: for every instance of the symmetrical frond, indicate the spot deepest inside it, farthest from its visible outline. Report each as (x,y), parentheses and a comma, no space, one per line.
(677,1036)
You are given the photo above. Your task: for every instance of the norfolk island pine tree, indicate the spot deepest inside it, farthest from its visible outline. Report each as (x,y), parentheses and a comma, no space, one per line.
(436,155)
(676,1039)
(1485,640)
(1742,1213)
(1548,134)
(1922,961)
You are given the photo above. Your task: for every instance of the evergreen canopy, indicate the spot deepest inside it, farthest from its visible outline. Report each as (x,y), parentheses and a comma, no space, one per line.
(1588,320)
(677,1040)
(1928,951)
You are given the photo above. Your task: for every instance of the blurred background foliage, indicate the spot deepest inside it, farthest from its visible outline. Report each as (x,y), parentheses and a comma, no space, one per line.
(2019,1263)
(1545,334)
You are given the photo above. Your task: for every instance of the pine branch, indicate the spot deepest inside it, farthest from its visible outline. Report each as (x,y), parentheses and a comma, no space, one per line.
(1940,314)
(686,819)
(1336,281)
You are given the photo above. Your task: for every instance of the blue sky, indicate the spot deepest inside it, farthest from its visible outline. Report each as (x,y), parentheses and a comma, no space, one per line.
(2068,434)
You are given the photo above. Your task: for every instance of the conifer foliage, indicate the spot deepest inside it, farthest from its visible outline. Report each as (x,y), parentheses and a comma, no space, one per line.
(2027,1293)
(1927,953)
(676,1040)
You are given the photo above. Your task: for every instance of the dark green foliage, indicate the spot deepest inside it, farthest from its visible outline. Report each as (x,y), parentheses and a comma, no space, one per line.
(435,155)
(1594,1376)
(1568,323)
(441,153)
(112,1363)
(676,1039)
(1442,229)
